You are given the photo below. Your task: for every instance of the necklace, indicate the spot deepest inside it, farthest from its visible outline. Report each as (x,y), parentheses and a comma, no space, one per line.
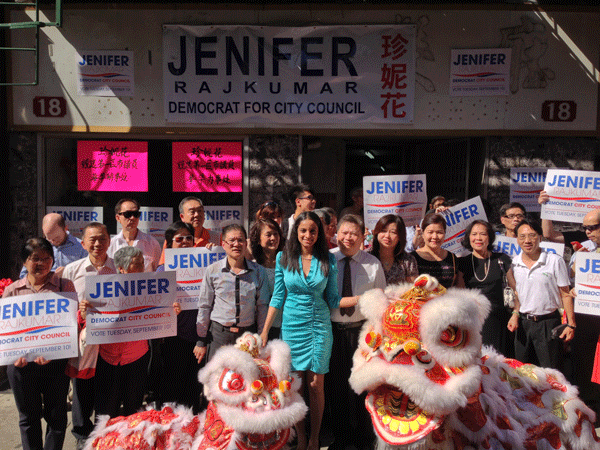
(486,268)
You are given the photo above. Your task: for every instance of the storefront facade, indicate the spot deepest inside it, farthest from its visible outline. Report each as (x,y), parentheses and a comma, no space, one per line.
(319,94)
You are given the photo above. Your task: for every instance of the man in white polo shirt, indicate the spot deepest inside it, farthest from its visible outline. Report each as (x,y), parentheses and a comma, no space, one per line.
(542,283)
(358,272)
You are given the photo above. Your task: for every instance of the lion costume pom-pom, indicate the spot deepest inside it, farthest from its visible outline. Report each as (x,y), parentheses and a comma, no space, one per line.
(253,404)
(430,387)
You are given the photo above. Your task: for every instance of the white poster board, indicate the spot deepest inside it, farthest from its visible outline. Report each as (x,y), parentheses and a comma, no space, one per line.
(189,264)
(36,325)
(509,246)
(105,73)
(77,217)
(130,307)
(573,193)
(480,72)
(587,283)
(404,195)
(457,219)
(526,183)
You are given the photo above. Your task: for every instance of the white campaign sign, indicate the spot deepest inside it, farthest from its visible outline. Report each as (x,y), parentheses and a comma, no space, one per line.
(509,246)
(36,325)
(404,195)
(573,193)
(457,219)
(222,74)
(130,307)
(587,283)
(189,265)
(526,183)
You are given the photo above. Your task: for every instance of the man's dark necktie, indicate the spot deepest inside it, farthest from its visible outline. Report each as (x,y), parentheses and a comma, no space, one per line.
(347,287)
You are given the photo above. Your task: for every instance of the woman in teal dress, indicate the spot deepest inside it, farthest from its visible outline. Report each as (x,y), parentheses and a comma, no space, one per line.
(305,289)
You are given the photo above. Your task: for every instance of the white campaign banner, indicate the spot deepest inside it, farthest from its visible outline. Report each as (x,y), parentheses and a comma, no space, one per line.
(457,219)
(77,217)
(130,307)
(36,325)
(587,283)
(526,183)
(573,193)
(509,246)
(404,195)
(189,264)
(223,74)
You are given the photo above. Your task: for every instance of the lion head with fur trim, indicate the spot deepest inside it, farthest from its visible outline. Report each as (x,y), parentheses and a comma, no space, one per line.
(430,386)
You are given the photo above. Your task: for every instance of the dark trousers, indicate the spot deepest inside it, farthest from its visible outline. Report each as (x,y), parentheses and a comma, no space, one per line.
(116,385)
(179,379)
(83,407)
(534,343)
(40,391)
(350,420)
(221,336)
(583,353)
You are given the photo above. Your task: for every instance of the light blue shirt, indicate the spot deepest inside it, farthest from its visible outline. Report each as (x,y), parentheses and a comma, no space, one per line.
(69,251)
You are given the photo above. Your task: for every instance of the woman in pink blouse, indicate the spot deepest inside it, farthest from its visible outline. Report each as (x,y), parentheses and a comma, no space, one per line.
(40,387)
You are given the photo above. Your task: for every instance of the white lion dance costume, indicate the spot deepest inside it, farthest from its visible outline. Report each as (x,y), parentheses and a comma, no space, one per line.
(430,387)
(254,402)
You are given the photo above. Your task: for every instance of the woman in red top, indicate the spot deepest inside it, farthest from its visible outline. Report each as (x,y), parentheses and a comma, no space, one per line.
(122,367)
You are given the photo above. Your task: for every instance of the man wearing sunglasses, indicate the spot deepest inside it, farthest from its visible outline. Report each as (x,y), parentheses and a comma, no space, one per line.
(127,213)
(303,199)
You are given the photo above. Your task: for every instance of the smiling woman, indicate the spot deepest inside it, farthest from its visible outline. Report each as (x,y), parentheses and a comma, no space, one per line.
(432,259)
(40,386)
(486,271)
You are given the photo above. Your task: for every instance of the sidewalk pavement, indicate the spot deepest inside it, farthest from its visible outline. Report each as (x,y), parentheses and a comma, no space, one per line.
(10,438)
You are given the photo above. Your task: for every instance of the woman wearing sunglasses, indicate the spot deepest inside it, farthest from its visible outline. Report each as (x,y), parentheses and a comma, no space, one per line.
(270,210)
(178,365)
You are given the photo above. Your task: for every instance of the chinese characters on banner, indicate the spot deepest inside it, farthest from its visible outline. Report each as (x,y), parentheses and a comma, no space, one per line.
(394,84)
(112,166)
(318,75)
(207,166)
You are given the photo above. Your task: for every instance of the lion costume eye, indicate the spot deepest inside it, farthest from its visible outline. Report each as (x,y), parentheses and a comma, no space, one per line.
(454,337)
(231,382)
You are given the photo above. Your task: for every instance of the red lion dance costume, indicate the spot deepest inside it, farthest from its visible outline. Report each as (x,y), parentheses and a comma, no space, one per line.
(254,402)
(430,387)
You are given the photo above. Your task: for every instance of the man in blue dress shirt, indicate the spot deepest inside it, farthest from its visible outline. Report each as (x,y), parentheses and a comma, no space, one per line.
(67,248)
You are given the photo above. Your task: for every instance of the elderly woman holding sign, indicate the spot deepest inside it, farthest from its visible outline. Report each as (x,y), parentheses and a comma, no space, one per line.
(40,388)
(121,370)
